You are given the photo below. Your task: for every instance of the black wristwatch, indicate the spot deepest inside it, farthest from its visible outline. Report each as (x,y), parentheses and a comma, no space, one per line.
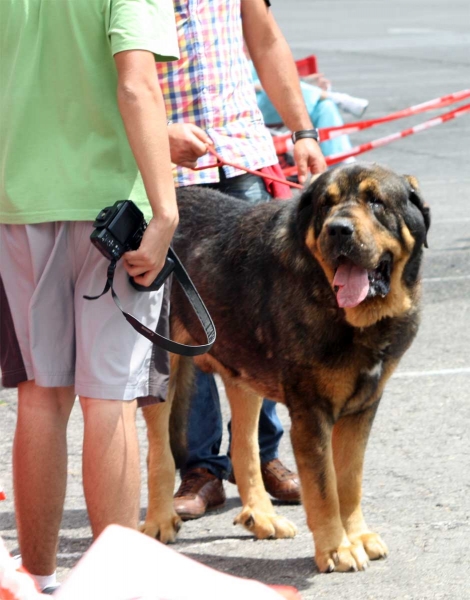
(305,133)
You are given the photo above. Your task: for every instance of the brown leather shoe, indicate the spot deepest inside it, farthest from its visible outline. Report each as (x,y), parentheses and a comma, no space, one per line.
(279,481)
(198,492)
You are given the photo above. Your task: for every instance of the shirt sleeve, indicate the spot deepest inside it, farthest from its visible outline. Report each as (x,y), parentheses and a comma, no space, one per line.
(144,25)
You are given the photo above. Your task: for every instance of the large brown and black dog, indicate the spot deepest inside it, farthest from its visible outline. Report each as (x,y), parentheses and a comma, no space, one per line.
(315,300)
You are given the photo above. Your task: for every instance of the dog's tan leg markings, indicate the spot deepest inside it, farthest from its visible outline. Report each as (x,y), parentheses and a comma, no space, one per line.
(258,514)
(350,435)
(161,521)
(311,438)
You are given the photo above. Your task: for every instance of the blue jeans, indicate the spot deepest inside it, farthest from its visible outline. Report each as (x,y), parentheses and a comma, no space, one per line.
(205,419)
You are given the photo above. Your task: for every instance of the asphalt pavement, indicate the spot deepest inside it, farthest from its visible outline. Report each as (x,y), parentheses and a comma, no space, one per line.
(396,53)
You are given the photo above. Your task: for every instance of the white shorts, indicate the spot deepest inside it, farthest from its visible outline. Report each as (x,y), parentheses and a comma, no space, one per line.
(62,338)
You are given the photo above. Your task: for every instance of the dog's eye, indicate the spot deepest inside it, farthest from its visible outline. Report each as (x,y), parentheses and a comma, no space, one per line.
(375,202)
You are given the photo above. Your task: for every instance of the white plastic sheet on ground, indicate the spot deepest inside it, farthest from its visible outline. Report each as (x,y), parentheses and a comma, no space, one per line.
(126,565)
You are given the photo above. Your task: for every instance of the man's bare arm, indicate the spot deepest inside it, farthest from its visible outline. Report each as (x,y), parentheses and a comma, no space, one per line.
(143,113)
(276,69)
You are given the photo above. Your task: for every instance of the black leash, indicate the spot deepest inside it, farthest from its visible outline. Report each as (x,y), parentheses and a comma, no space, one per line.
(191,294)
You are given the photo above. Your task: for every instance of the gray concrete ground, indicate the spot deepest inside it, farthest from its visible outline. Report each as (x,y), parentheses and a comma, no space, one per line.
(417,477)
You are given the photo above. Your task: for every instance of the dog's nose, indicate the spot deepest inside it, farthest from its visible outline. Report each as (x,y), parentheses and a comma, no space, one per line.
(341,228)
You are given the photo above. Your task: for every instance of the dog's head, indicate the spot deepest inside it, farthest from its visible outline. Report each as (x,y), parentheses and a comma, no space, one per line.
(366,226)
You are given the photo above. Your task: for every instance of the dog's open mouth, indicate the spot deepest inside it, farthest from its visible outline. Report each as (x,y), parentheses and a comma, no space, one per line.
(353,284)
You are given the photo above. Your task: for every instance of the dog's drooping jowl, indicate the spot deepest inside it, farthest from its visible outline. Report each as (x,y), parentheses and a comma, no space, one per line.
(315,301)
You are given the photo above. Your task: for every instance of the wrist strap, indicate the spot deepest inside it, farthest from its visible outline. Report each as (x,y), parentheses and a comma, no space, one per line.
(192,295)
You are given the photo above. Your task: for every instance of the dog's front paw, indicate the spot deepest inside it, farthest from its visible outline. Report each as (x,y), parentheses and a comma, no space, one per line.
(264,525)
(344,558)
(162,528)
(373,544)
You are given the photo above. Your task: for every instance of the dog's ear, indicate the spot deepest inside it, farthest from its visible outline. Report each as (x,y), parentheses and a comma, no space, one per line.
(306,204)
(414,196)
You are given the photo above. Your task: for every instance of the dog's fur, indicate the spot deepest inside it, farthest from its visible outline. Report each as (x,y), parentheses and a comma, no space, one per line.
(266,274)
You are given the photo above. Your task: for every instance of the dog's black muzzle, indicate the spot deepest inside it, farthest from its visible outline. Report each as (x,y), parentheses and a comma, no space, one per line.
(340,239)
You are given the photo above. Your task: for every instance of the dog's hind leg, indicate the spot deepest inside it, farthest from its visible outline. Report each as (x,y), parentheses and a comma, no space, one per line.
(258,514)
(161,521)
(350,435)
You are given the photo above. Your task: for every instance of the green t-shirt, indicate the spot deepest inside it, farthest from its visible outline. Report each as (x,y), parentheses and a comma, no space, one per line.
(64,153)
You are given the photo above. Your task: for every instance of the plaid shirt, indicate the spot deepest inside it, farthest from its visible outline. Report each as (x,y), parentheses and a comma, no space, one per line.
(211,86)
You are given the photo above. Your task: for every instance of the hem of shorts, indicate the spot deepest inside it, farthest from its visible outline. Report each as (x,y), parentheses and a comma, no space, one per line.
(11,379)
(48,380)
(118,392)
(157,397)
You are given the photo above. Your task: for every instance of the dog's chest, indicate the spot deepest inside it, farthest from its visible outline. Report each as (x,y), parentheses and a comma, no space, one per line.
(365,389)
(371,363)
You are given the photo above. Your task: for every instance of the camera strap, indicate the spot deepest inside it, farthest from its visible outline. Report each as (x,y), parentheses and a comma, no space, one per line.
(192,295)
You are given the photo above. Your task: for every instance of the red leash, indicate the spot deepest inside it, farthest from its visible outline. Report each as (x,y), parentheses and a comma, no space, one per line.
(221,162)
(283,143)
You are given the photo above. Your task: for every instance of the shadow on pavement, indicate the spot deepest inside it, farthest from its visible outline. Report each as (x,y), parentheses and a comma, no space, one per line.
(282,571)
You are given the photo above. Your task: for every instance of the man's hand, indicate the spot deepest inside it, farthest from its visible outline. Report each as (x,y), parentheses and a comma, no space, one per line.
(308,158)
(145,263)
(187,143)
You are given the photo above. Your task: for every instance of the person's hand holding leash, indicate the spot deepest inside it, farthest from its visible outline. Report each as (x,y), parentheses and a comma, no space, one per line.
(308,158)
(188,142)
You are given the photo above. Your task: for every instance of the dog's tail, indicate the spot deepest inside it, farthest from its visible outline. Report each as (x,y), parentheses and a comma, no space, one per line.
(180,391)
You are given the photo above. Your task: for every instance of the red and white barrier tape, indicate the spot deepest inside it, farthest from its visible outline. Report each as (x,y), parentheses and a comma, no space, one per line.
(329,133)
(283,143)
(383,141)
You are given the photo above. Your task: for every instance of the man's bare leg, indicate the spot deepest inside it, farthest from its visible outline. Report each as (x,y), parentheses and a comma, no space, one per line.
(40,472)
(111,466)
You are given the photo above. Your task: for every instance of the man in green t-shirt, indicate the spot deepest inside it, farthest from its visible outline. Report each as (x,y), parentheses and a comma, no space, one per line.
(82,124)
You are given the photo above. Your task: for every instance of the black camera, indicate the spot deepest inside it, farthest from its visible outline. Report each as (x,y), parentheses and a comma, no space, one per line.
(118,229)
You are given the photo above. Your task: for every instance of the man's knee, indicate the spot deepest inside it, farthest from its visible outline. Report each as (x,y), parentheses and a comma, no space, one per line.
(58,401)
(108,412)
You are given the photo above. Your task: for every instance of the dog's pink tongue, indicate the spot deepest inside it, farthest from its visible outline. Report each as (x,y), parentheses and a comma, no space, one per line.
(353,284)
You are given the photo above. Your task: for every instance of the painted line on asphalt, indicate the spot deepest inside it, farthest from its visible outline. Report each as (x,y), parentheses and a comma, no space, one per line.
(412,30)
(432,373)
(445,181)
(454,220)
(449,278)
